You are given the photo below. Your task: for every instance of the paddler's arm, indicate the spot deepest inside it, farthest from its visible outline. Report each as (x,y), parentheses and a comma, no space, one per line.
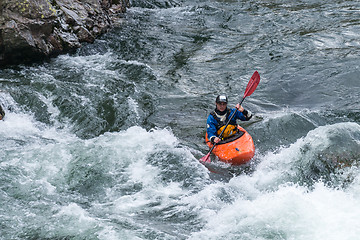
(246,115)
(211,129)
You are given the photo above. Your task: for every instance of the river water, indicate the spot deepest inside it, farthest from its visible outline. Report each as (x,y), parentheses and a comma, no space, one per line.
(104,143)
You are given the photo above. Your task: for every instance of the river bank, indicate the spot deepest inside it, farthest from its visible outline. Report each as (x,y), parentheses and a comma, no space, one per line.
(35,30)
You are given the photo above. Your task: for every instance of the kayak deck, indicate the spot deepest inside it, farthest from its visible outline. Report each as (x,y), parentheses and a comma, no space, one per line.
(236,152)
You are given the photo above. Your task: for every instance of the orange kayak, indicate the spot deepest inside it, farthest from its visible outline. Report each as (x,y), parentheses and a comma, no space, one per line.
(236,150)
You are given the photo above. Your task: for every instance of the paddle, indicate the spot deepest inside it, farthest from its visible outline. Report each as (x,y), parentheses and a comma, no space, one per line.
(250,88)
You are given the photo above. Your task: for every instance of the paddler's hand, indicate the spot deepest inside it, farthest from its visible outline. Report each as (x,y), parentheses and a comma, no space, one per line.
(217,140)
(239,107)
(214,139)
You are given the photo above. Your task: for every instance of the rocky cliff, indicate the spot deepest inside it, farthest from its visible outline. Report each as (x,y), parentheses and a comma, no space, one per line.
(32,30)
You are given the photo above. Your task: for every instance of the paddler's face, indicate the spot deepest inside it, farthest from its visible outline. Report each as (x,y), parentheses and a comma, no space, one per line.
(221,106)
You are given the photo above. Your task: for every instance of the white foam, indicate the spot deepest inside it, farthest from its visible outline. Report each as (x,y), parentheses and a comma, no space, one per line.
(268,204)
(291,212)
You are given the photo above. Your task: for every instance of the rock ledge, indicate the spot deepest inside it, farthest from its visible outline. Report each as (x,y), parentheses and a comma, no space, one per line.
(32,30)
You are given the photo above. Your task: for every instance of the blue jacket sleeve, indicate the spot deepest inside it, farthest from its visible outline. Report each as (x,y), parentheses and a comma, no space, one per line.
(211,124)
(238,115)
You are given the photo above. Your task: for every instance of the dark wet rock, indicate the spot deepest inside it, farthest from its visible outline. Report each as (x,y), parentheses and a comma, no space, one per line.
(32,30)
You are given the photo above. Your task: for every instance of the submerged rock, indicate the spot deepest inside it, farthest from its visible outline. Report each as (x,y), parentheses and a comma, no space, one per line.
(32,30)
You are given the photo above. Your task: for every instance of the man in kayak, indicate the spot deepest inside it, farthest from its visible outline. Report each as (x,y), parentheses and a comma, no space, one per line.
(219,117)
(2,113)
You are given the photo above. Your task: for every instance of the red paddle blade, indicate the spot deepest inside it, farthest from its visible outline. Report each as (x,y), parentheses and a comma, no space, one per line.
(205,158)
(254,81)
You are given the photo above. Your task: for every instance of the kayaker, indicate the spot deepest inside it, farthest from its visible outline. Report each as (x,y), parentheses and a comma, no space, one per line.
(2,113)
(219,117)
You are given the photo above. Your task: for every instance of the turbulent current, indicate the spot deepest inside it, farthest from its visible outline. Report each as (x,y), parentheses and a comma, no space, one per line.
(104,143)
